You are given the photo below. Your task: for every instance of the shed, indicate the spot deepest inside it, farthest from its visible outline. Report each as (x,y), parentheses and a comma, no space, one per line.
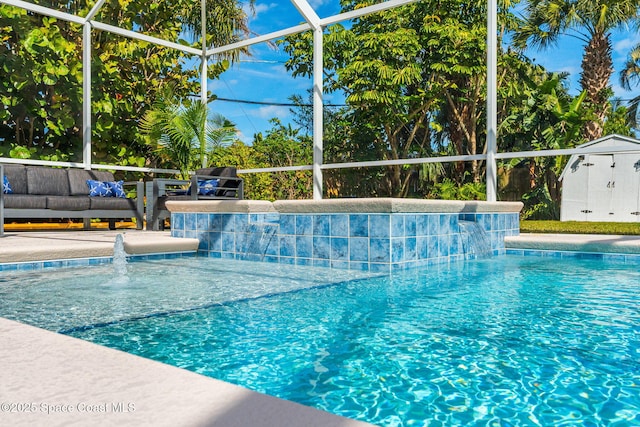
(603,186)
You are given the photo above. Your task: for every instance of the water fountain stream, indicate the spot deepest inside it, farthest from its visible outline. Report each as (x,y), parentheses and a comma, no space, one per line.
(475,240)
(119,256)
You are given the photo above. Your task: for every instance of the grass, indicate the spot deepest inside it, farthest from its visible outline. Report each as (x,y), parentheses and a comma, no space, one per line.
(579,227)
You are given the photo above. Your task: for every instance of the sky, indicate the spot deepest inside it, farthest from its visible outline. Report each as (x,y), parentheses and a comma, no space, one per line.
(262,76)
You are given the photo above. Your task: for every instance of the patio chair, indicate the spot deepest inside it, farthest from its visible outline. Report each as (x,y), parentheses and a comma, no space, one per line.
(216,183)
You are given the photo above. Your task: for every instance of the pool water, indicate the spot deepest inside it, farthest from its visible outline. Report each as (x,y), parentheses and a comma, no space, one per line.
(505,341)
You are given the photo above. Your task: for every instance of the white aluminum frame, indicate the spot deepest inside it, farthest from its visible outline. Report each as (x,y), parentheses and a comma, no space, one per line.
(315,23)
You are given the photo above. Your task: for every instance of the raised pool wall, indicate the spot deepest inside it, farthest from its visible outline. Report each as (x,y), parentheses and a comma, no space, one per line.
(381,234)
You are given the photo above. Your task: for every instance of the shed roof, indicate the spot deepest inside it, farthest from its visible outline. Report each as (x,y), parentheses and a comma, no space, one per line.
(611,140)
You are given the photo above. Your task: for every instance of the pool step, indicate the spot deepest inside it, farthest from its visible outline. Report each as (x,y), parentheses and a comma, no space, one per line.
(43,246)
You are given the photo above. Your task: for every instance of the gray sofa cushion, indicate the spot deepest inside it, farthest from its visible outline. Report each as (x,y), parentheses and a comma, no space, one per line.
(78,180)
(24,201)
(68,203)
(48,181)
(112,203)
(17,175)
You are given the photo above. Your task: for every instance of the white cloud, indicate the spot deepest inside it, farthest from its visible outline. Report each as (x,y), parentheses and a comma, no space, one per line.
(270,111)
(623,46)
(259,8)
(317,3)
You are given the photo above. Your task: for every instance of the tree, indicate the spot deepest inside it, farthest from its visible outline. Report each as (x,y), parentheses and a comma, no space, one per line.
(618,120)
(542,116)
(279,146)
(184,132)
(592,22)
(630,76)
(380,64)
(41,101)
(285,146)
(415,78)
(226,23)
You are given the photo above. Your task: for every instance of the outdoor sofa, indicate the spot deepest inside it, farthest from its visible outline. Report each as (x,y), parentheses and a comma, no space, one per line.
(47,192)
(215,183)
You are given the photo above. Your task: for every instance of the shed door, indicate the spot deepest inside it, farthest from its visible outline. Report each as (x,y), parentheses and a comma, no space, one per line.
(601,185)
(626,191)
(575,190)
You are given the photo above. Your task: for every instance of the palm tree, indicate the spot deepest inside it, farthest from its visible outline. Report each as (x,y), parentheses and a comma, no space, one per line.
(592,22)
(226,22)
(630,76)
(184,132)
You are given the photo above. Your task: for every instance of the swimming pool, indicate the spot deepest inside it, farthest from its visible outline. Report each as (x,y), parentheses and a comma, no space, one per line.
(506,341)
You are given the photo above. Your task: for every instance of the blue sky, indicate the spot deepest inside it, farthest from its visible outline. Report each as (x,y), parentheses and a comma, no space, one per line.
(262,77)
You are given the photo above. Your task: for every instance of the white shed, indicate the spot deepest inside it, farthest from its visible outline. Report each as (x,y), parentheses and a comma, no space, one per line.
(603,187)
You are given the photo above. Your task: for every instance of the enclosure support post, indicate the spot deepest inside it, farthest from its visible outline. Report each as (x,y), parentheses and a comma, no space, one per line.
(204,74)
(318,122)
(492,100)
(86,95)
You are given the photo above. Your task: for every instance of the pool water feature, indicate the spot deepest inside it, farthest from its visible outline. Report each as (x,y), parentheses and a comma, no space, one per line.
(119,261)
(376,234)
(506,341)
(475,241)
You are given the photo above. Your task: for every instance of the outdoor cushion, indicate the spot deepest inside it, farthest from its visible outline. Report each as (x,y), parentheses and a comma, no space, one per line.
(112,203)
(47,181)
(24,201)
(78,180)
(117,189)
(99,188)
(206,187)
(67,203)
(17,176)
(229,185)
(6,188)
(106,188)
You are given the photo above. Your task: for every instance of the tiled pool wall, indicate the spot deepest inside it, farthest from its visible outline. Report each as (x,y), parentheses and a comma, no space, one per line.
(360,241)
(85,262)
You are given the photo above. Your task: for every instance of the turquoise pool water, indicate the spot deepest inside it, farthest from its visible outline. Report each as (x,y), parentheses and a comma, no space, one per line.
(505,341)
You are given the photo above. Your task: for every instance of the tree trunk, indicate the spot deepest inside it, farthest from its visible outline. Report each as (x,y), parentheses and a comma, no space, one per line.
(597,68)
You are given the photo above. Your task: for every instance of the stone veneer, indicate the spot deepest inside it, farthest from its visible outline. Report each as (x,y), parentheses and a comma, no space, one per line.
(362,234)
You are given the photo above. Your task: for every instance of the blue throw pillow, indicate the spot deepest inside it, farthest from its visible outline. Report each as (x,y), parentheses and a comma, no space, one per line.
(99,189)
(208,187)
(6,188)
(117,189)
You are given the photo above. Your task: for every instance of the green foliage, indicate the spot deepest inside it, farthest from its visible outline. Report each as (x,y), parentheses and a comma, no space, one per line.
(542,116)
(41,65)
(538,204)
(379,64)
(280,146)
(591,21)
(450,190)
(242,156)
(183,132)
(415,83)
(41,100)
(617,121)
(286,146)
